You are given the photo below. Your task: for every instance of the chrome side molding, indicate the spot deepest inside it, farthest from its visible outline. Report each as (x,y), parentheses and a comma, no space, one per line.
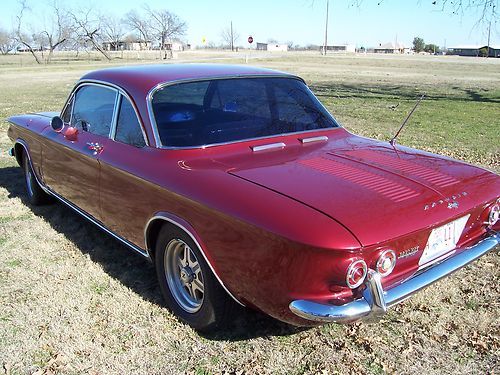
(269,146)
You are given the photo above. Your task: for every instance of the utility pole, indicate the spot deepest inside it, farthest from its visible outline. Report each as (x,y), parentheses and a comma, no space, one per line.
(232,37)
(489,30)
(326,28)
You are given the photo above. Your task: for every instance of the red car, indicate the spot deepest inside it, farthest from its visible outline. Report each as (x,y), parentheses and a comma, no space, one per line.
(240,186)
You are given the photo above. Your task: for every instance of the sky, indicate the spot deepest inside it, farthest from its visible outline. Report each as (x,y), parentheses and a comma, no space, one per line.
(300,21)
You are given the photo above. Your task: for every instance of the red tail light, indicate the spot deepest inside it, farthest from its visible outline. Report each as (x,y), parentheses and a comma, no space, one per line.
(386,262)
(494,214)
(356,273)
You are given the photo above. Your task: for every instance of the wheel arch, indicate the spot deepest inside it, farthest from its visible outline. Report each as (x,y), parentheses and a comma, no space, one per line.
(21,147)
(159,220)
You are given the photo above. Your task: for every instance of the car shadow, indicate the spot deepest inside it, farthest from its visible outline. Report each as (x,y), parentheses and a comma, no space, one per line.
(126,266)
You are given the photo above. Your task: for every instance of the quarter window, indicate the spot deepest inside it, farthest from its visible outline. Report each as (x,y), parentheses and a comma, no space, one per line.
(128,128)
(93,109)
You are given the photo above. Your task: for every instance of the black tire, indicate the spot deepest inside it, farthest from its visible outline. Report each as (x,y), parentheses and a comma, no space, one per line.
(36,195)
(206,312)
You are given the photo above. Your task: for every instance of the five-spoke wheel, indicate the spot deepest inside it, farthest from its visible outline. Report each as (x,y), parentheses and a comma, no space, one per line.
(187,282)
(184,275)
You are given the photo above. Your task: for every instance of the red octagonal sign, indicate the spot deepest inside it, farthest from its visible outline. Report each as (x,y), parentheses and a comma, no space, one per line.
(250,39)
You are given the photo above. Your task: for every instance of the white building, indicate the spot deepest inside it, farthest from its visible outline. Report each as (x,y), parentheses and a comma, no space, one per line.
(272,47)
(390,48)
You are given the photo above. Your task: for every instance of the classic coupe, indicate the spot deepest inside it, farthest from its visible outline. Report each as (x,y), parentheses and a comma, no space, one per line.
(243,189)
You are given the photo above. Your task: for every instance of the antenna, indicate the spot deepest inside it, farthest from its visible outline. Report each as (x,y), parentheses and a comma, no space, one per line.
(393,140)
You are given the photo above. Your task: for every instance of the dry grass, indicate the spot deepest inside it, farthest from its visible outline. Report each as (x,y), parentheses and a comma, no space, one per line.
(75,301)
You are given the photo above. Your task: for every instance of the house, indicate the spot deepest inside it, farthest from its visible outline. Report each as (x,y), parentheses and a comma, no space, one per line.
(272,47)
(390,47)
(474,50)
(339,48)
(126,45)
(176,45)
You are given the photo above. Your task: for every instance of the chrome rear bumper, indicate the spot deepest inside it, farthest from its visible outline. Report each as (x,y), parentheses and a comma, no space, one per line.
(376,300)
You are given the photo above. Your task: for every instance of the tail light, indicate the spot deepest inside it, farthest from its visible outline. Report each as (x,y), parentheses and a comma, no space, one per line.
(494,214)
(356,273)
(386,262)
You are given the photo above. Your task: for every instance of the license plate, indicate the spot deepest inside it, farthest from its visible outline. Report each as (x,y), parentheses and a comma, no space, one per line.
(442,240)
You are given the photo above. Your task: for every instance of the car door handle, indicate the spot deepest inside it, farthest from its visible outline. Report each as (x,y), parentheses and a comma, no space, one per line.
(96,147)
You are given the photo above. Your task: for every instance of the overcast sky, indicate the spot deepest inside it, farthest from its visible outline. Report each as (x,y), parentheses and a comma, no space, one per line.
(300,21)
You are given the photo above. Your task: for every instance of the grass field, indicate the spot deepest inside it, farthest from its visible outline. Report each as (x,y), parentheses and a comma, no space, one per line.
(73,300)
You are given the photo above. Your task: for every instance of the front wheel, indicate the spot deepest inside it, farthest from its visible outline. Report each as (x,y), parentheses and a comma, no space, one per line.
(187,283)
(36,195)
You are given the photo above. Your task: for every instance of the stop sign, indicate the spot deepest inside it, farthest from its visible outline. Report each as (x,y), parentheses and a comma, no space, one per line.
(250,39)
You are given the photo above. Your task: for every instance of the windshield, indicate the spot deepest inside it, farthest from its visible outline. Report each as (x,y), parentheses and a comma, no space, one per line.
(227,110)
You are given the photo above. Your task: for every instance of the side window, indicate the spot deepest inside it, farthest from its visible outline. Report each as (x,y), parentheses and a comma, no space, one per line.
(128,129)
(93,109)
(66,115)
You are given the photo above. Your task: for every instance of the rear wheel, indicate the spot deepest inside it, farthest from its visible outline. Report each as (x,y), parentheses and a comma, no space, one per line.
(36,195)
(188,285)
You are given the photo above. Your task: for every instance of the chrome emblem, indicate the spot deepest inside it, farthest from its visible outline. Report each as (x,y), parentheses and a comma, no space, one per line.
(451,202)
(408,252)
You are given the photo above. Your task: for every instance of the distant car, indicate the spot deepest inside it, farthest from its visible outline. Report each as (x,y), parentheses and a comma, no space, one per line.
(240,186)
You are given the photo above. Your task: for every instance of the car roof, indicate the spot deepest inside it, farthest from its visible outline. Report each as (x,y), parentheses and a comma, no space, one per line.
(140,79)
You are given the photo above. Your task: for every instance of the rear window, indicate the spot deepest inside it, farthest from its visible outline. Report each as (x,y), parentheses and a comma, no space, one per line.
(227,110)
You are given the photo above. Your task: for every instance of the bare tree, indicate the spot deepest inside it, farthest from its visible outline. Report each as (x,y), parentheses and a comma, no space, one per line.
(59,31)
(22,37)
(88,29)
(52,36)
(230,36)
(114,31)
(166,26)
(7,42)
(140,25)
(486,10)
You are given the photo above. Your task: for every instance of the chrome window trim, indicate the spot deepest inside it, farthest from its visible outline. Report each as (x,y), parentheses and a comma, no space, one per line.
(192,236)
(114,119)
(83,84)
(120,91)
(159,86)
(144,253)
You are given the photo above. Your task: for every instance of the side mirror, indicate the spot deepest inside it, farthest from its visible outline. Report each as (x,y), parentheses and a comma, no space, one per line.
(57,123)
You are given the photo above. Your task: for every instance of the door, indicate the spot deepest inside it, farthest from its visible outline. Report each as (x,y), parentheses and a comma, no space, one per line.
(125,192)
(70,158)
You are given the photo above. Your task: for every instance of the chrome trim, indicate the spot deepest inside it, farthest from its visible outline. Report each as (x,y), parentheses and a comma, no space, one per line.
(120,91)
(269,146)
(313,139)
(154,126)
(202,251)
(267,137)
(114,118)
(350,271)
(142,252)
(379,264)
(376,300)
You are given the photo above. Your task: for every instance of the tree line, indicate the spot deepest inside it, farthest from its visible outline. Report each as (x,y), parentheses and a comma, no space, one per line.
(87,28)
